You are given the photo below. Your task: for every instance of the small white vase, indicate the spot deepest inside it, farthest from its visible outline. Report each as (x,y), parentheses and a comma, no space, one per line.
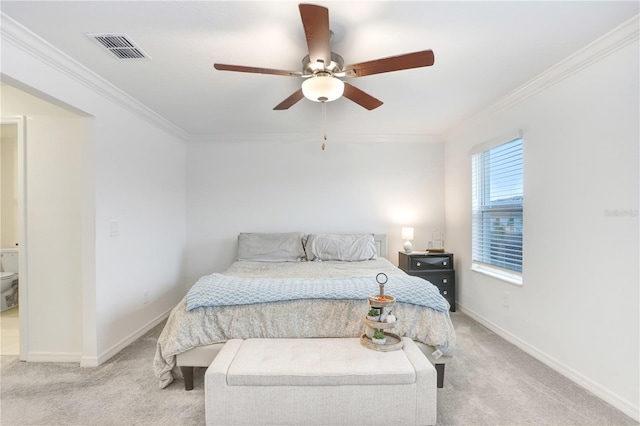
(379,341)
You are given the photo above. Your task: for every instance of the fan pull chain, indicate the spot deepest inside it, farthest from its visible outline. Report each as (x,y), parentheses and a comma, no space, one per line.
(324,123)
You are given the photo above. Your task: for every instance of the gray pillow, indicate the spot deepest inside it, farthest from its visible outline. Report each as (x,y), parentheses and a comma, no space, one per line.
(271,247)
(346,247)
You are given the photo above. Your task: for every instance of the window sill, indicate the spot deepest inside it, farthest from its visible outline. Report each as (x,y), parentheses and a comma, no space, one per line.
(498,273)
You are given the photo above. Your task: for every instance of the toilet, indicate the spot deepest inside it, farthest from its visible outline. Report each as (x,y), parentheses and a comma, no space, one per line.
(9,276)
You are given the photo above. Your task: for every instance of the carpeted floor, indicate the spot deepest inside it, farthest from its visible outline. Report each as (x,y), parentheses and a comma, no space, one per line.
(492,382)
(489,382)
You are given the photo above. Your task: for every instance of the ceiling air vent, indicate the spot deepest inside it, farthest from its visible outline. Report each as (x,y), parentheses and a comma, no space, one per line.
(120,45)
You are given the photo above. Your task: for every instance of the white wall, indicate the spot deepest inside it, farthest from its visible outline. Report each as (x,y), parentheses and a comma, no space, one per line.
(281,184)
(140,184)
(133,172)
(578,307)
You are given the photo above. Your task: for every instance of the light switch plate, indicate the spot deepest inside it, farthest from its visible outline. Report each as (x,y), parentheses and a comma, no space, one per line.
(114,228)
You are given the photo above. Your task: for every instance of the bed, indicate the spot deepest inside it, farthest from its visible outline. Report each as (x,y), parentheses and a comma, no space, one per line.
(294,285)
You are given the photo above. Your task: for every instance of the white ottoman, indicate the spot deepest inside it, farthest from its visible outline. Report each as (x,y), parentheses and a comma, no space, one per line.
(319,382)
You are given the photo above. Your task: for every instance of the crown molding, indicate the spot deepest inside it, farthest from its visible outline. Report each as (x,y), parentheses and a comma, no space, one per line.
(317,137)
(621,36)
(19,36)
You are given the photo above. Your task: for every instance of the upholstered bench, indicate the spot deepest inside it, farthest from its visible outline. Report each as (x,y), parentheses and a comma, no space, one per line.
(327,381)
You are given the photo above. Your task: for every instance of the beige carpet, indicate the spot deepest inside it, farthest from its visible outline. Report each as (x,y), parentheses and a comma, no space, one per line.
(489,382)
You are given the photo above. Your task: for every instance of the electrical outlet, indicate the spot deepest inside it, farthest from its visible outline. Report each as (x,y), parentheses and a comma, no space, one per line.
(505,299)
(145,297)
(114,228)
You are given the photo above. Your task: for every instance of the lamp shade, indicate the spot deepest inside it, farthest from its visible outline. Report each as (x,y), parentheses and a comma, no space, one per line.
(322,88)
(407,233)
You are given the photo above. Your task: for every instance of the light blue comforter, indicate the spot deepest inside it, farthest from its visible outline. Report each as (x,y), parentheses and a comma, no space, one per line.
(224,290)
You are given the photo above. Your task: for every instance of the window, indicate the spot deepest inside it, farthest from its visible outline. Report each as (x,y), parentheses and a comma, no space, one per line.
(497,200)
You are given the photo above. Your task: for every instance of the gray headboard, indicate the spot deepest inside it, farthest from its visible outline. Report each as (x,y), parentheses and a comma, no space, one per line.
(381,244)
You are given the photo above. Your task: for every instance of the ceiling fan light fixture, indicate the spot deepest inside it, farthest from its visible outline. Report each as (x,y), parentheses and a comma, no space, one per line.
(322,88)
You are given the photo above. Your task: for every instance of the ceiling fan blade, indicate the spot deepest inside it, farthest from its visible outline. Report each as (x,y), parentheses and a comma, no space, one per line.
(290,101)
(361,98)
(424,58)
(315,20)
(240,68)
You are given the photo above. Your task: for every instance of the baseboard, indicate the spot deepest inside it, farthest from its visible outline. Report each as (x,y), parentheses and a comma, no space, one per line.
(103,357)
(53,357)
(89,361)
(621,404)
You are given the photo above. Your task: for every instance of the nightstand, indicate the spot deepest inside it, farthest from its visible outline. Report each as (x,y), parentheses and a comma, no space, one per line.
(437,268)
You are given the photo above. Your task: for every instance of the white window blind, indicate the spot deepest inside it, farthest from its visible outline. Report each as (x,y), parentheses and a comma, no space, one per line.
(497,200)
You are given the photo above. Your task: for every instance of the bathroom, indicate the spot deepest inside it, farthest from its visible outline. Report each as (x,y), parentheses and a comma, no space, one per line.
(9,240)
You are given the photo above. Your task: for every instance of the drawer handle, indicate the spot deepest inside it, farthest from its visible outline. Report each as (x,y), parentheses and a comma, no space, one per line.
(444,292)
(444,263)
(444,280)
(418,264)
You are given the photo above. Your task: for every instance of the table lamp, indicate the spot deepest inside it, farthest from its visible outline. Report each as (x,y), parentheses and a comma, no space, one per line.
(407,235)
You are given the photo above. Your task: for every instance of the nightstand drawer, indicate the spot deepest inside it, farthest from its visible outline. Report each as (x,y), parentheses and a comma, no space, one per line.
(439,279)
(445,281)
(446,292)
(429,263)
(449,294)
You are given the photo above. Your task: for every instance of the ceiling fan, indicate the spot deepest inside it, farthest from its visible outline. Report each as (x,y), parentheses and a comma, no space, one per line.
(322,68)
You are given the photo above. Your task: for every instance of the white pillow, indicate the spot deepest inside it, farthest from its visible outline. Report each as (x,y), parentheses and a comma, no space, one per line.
(346,247)
(271,247)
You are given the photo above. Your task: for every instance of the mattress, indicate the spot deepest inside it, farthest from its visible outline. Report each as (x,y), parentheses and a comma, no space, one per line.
(302,318)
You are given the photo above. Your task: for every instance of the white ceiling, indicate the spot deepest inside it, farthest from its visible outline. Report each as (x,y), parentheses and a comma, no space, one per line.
(483,50)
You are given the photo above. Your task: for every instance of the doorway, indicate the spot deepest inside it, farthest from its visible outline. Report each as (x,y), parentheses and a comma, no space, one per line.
(13,222)
(55,137)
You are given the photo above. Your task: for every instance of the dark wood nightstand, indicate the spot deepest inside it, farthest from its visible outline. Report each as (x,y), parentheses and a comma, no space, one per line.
(437,268)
